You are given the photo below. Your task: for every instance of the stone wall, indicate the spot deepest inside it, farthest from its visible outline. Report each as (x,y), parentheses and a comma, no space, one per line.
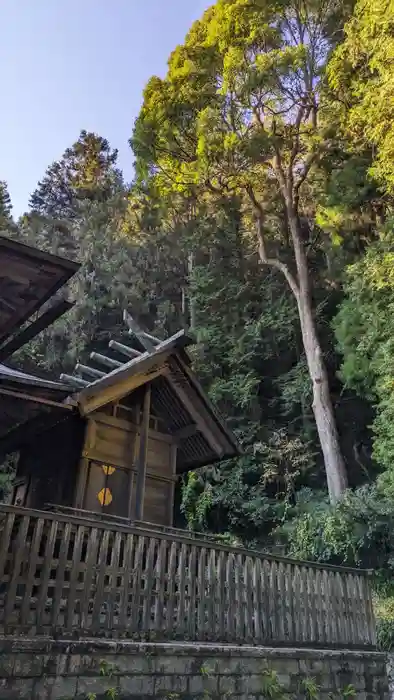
(86,670)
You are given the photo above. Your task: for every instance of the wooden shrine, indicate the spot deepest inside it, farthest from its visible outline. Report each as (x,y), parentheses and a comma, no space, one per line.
(118,441)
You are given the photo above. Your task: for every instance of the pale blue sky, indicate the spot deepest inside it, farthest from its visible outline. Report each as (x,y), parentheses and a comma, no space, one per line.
(68,65)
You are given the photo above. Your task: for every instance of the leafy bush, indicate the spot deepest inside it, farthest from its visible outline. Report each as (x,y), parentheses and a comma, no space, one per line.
(359,531)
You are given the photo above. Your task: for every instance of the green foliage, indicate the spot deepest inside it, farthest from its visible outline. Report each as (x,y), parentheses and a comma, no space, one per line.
(358,532)
(364,330)
(5,207)
(87,170)
(360,74)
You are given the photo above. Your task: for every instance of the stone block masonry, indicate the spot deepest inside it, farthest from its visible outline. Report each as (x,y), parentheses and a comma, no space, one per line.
(47,669)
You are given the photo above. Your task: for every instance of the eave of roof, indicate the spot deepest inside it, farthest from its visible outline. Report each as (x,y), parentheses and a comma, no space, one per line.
(59,271)
(8,374)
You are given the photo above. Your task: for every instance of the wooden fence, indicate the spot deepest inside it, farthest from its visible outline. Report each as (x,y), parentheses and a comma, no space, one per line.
(71,576)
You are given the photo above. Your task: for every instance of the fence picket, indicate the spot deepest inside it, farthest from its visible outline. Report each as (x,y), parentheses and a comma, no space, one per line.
(72,592)
(148,587)
(181,578)
(127,565)
(91,562)
(170,603)
(32,566)
(160,577)
(60,576)
(10,603)
(101,573)
(201,594)
(45,575)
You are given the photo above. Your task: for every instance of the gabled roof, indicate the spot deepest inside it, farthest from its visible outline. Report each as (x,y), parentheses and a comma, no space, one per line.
(177,398)
(28,278)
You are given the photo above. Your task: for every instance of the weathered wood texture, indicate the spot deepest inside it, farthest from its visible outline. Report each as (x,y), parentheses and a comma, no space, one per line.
(49,461)
(75,576)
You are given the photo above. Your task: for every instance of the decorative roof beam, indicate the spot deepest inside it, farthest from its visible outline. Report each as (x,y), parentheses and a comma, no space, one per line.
(90,371)
(149,342)
(74,381)
(104,360)
(124,349)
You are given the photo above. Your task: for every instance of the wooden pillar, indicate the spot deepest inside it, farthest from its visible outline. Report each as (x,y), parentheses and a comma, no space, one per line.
(142,457)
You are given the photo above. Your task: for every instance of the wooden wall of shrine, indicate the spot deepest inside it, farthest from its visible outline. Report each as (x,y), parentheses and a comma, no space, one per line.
(91,464)
(108,470)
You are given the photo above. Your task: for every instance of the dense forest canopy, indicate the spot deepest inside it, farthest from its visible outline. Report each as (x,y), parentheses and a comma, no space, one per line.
(260,219)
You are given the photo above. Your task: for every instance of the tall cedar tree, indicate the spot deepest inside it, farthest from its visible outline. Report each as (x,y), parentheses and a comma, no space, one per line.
(87,170)
(239,112)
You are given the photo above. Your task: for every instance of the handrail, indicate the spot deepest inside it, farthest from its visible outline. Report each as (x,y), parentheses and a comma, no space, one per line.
(181,537)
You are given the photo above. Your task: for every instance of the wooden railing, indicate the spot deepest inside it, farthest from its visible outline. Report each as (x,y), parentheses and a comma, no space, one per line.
(72,576)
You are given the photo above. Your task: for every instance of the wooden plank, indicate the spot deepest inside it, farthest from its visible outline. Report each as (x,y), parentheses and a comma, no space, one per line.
(136,589)
(201,594)
(127,565)
(231,596)
(191,585)
(134,441)
(348,589)
(273,599)
(31,573)
(359,611)
(210,624)
(181,581)
(45,574)
(89,576)
(20,555)
(249,600)
(170,606)
(344,617)
(282,602)
(289,583)
(60,575)
(222,601)
(5,542)
(173,466)
(113,598)
(142,457)
(265,607)
(327,609)
(72,600)
(101,574)
(371,623)
(312,611)
(239,596)
(148,577)
(320,608)
(258,601)
(297,604)
(160,578)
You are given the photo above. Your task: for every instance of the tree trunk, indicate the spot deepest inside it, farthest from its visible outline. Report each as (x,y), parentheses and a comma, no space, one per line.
(322,404)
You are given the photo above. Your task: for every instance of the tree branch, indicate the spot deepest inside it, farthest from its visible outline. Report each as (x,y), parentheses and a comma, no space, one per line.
(296,143)
(309,161)
(271,262)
